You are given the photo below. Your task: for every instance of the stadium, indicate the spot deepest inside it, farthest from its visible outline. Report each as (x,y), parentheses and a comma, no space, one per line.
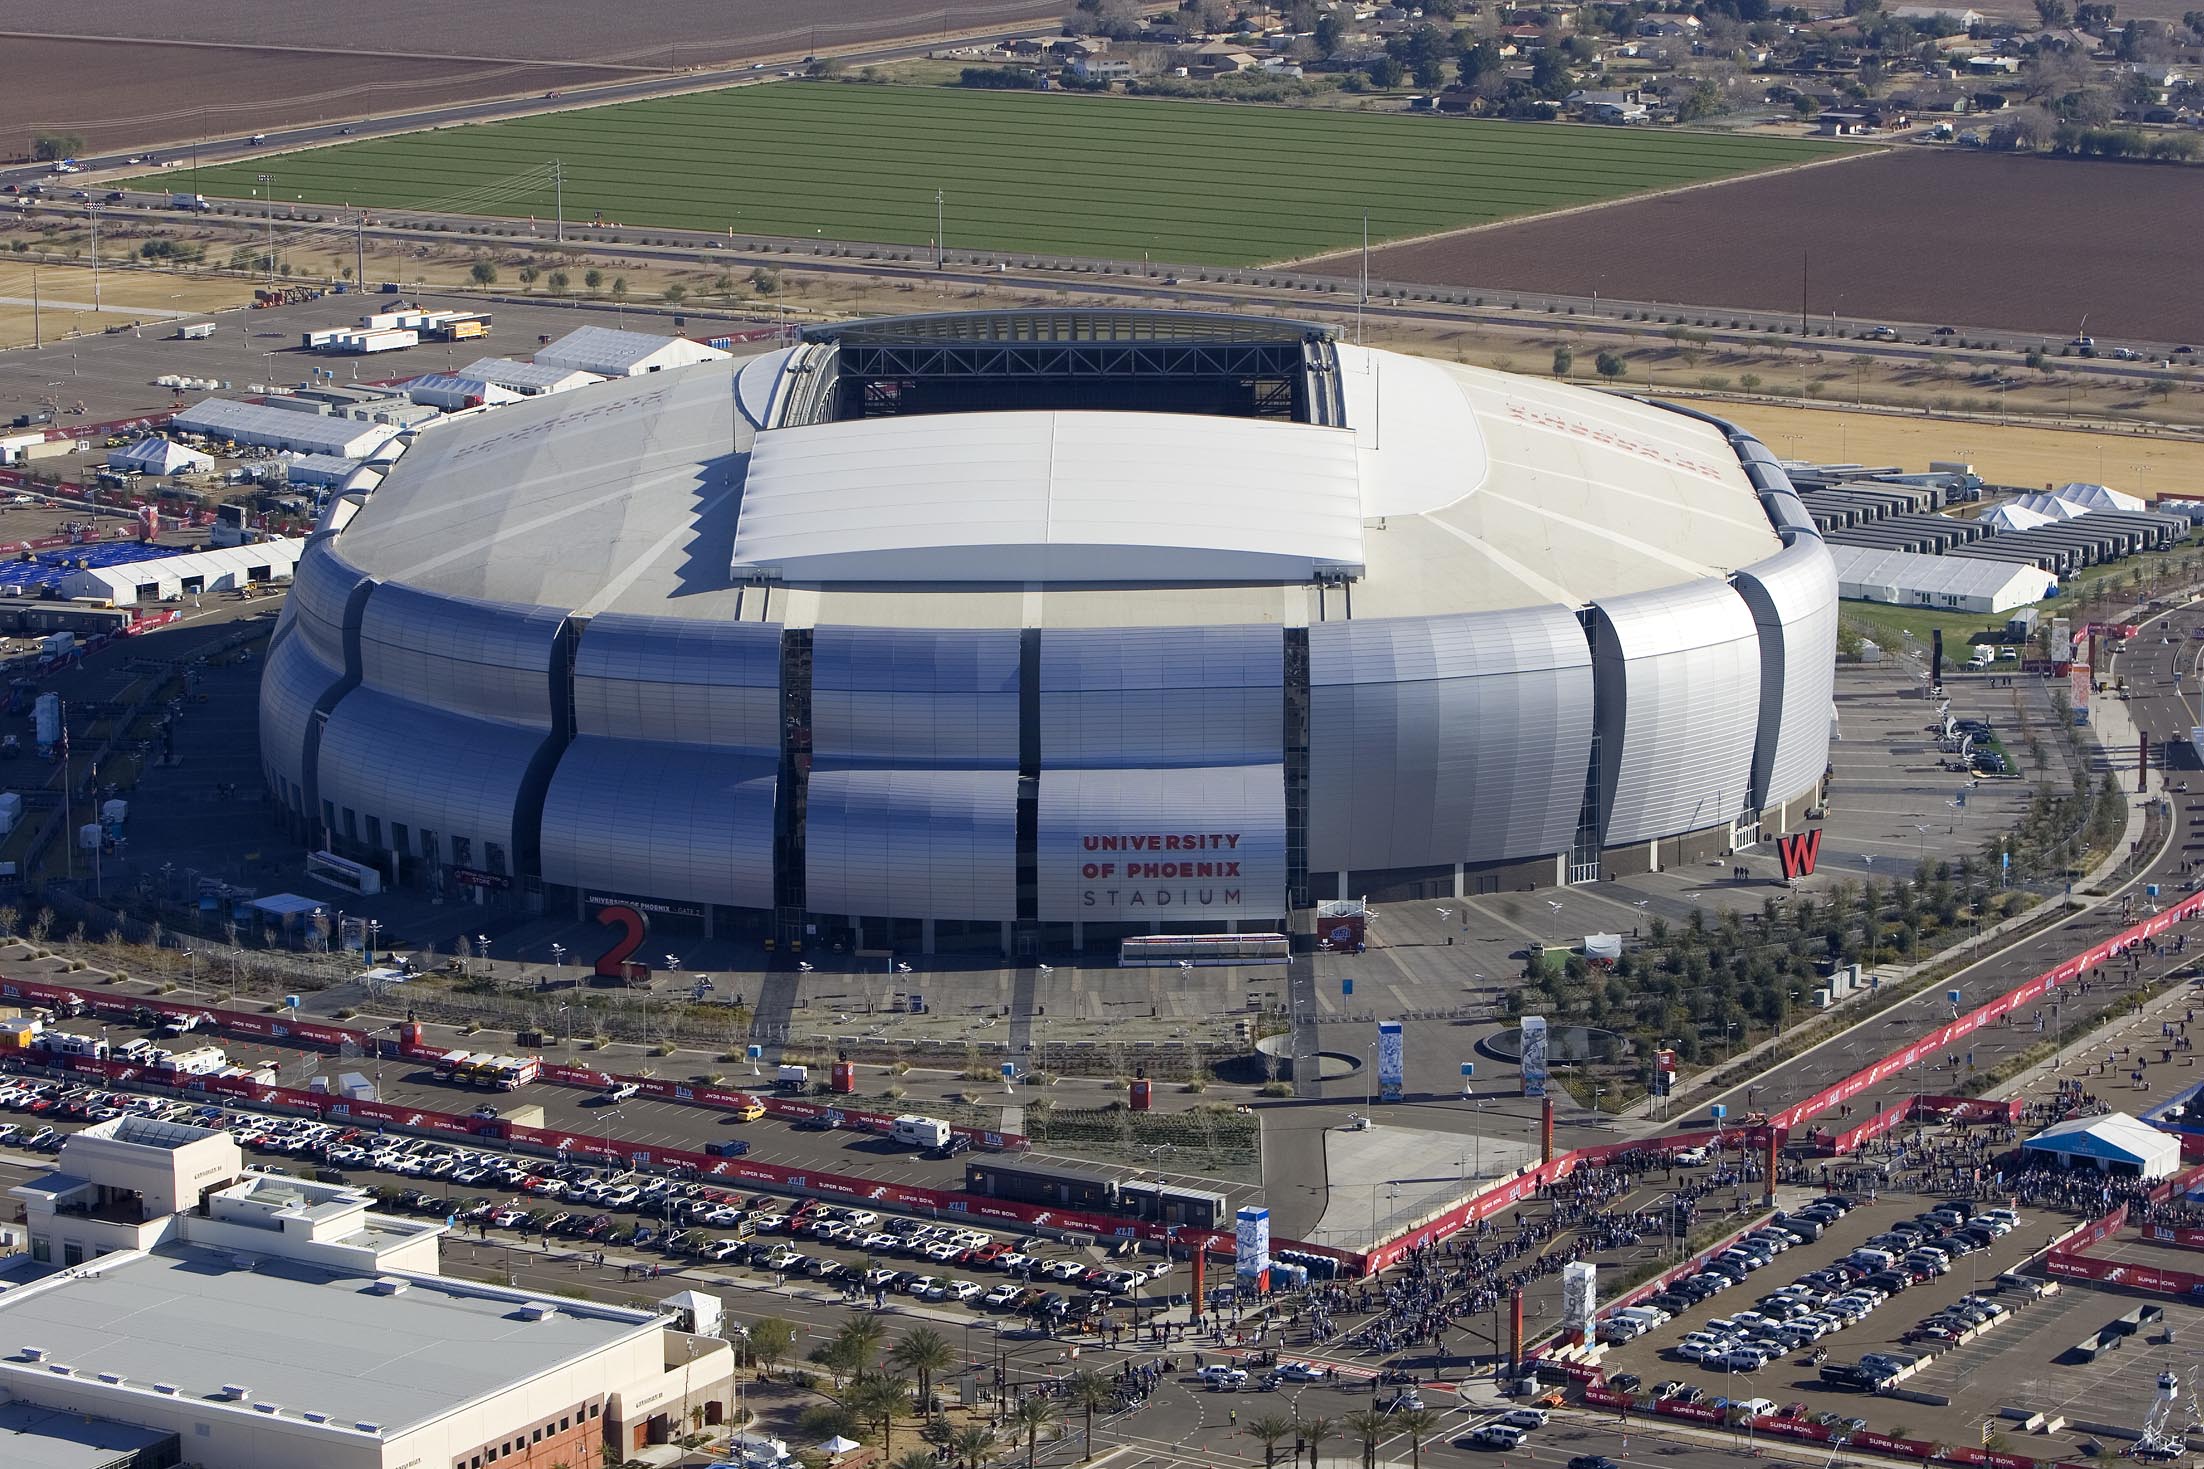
(1022,632)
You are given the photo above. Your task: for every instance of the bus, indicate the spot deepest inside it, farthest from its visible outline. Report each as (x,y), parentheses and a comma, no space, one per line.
(1162,950)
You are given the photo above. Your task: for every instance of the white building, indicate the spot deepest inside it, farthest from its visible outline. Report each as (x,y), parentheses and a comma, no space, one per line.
(529,379)
(1944,583)
(453,392)
(158,456)
(267,1322)
(258,425)
(172,578)
(2100,497)
(2111,1143)
(609,353)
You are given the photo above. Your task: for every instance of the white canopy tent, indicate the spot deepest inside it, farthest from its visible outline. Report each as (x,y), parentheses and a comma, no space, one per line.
(2112,1143)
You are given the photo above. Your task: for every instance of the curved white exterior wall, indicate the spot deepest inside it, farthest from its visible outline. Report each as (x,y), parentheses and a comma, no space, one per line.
(1678,689)
(1444,740)
(1793,597)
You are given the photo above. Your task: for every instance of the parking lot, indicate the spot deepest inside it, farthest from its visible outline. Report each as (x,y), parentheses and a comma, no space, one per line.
(1893,1327)
(662,1221)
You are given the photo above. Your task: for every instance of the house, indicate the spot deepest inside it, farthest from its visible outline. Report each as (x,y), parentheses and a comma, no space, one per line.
(1524,37)
(1932,99)
(1843,124)
(1222,57)
(1102,68)
(1669,27)
(1282,66)
(1609,106)
(1957,19)
(1993,65)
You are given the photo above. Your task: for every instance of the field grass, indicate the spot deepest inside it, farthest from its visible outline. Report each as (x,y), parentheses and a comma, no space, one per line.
(1043,173)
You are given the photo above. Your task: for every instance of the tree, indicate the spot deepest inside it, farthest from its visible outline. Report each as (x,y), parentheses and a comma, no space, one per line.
(1564,359)
(528,275)
(771,1340)
(1270,1430)
(1550,73)
(619,287)
(52,147)
(482,273)
(876,1399)
(765,282)
(1330,31)
(1368,1426)
(1611,366)
(558,282)
(1316,1432)
(922,1354)
(676,294)
(1384,72)
(918,1459)
(593,278)
(2054,14)
(1029,1418)
(1090,1392)
(1479,63)
(862,1336)
(1419,1424)
(972,1444)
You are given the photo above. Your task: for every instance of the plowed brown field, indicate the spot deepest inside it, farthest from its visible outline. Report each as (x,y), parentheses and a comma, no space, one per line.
(1918,235)
(121,73)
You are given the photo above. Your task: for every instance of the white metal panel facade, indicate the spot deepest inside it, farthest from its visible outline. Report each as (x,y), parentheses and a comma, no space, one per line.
(1205,844)
(408,763)
(664,820)
(671,679)
(1793,597)
(1678,688)
(912,843)
(1447,739)
(1162,696)
(486,659)
(915,697)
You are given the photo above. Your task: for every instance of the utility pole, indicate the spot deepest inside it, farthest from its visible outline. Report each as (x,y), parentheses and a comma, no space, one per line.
(558,201)
(359,251)
(1803,258)
(939,245)
(269,181)
(37,342)
(92,212)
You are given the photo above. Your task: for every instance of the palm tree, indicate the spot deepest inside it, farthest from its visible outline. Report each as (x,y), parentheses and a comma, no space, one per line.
(1088,1390)
(1313,1432)
(876,1399)
(972,1444)
(1370,1425)
(922,1354)
(917,1459)
(1029,1418)
(1418,1424)
(1270,1431)
(864,1334)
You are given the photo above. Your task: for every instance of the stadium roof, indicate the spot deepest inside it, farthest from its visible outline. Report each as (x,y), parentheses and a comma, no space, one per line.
(32,1437)
(305,1339)
(1051,497)
(1476,490)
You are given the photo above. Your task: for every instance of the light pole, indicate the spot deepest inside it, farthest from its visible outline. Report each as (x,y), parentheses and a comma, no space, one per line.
(940,245)
(558,956)
(269,180)
(91,212)
(374,937)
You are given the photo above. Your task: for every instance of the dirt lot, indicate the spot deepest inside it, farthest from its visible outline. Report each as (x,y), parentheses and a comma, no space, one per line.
(347,62)
(63,296)
(2002,455)
(1936,237)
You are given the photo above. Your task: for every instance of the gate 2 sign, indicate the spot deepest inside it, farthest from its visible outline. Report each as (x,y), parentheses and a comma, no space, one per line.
(634,927)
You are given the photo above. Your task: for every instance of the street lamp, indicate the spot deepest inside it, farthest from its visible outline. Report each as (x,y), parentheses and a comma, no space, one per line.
(558,956)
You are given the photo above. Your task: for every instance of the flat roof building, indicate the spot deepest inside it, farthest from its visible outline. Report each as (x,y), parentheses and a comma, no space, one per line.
(610,353)
(529,379)
(258,425)
(1946,583)
(271,1322)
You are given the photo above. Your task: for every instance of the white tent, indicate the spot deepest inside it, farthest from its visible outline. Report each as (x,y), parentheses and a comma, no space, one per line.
(158,456)
(2051,507)
(2113,1143)
(2015,517)
(2100,497)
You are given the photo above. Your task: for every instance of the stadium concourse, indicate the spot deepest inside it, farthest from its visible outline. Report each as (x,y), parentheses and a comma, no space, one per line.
(1029,632)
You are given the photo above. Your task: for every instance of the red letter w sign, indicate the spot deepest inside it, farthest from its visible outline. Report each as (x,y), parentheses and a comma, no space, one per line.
(1798,851)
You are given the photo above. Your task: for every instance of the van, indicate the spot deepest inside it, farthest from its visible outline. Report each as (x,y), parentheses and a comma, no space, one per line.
(793,1078)
(1873,1259)
(1493,1436)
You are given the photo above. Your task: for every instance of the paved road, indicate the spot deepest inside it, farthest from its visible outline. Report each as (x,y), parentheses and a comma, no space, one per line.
(2160,706)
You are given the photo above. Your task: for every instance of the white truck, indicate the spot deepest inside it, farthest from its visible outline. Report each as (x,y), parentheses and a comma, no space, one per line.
(197,203)
(1982,657)
(921,1132)
(196,331)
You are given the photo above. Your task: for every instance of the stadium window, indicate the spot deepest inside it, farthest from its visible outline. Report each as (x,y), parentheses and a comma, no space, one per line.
(536,1437)
(328,815)
(375,831)
(462,851)
(42,1250)
(398,837)
(351,825)
(493,858)
(564,1423)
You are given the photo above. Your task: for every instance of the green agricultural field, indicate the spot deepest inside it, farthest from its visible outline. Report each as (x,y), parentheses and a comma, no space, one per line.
(1048,173)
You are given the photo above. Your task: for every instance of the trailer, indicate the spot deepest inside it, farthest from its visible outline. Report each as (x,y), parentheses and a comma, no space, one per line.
(197,331)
